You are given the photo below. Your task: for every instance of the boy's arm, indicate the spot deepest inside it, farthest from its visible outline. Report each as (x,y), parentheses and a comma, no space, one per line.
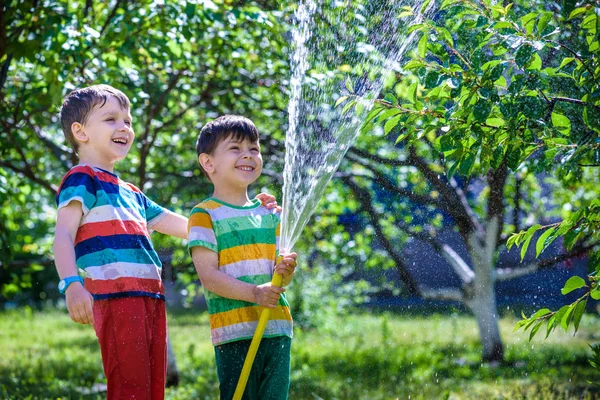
(79,300)
(207,265)
(172,224)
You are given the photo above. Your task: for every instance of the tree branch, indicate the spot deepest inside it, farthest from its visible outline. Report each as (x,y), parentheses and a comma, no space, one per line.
(454,200)
(383,181)
(505,274)
(447,294)
(28,173)
(364,198)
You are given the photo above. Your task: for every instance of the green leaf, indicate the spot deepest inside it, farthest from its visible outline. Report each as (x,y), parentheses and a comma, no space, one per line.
(412,92)
(566,61)
(414,64)
(535,329)
(467,164)
(578,313)
(175,48)
(543,22)
(390,98)
(511,240)
(341,100)
(562,123)
(424,6)
(528,21)
(573,283)
(422,46)
(595,293)
(543,242)
(551,325)
(391,124)
(566,319)
(529,235)
(349,85)
(535,63)
(578,11)
(523,55)
(482,109)
(541,313)
(495,122)
(520,324)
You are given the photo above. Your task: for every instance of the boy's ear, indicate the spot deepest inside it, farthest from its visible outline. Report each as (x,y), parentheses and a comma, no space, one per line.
(206,163)
(78,132)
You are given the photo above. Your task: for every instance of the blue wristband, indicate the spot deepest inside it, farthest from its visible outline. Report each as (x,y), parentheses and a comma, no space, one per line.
(64,283)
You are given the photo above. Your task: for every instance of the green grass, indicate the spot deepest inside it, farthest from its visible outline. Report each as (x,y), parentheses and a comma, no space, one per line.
(365,356)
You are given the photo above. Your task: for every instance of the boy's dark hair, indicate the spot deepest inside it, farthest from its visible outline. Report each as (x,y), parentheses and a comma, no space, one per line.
(78,105)
(213,133)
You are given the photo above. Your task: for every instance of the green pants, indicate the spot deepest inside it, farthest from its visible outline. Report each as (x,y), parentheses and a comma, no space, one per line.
(270,374)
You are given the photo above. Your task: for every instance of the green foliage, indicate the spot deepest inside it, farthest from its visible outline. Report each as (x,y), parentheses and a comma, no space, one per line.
(181,64)
(367,356)
(568,315)
(496,86)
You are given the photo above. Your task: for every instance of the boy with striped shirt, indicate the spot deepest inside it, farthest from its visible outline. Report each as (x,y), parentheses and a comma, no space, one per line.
(234,244)
(103,229)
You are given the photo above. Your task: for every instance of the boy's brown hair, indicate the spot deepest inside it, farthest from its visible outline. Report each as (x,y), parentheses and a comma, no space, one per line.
(78,105)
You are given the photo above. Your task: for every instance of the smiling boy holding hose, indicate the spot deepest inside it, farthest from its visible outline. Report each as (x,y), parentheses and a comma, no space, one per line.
(234,244)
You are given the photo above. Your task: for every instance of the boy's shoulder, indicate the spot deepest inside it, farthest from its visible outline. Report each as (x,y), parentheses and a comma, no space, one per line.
(206,205)
(87,172)
(218,209)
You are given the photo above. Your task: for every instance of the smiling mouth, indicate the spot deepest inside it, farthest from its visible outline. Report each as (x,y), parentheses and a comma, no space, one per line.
(120,141)
(245,168)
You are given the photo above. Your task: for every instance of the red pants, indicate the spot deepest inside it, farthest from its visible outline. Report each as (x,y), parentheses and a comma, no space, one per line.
(133,340)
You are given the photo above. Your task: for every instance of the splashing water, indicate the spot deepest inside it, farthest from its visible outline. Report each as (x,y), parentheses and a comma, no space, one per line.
(335,44)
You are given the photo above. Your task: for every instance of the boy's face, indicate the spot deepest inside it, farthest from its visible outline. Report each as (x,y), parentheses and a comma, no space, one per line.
(235,163)
(107,132)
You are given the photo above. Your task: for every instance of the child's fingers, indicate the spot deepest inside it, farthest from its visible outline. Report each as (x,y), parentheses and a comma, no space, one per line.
(89,314)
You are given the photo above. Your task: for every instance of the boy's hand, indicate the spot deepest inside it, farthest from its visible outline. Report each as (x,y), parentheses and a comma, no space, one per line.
(287,266)
(79,304)
(268,201)
(266,295)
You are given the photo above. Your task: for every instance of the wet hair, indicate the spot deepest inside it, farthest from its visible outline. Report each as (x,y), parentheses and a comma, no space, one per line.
(79,104)
(235,126)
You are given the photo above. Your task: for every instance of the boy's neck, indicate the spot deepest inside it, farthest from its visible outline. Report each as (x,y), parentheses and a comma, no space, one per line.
(89,159)
(233,196)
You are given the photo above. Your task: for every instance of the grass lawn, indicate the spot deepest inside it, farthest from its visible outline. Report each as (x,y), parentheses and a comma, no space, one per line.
(363,356)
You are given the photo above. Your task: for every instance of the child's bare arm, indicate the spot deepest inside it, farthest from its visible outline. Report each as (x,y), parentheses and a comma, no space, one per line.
(207,265)
(172,224)
(79,300)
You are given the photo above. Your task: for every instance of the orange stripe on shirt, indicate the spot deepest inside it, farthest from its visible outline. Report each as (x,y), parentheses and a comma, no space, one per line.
(247,314)
(200,219)
(247,252)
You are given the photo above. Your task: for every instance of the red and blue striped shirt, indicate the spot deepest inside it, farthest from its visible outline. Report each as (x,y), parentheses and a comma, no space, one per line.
(112,246)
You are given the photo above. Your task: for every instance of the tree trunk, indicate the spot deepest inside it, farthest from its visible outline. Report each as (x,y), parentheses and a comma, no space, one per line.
(484,307)
(482,300)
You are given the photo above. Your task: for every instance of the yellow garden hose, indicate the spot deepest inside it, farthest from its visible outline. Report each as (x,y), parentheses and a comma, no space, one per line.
(258,334)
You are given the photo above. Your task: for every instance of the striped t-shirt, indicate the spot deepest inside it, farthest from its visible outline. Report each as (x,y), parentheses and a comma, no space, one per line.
(112,246)
(246,240)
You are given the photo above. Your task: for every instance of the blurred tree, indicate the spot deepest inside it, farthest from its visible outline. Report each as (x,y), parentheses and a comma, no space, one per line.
(496,97)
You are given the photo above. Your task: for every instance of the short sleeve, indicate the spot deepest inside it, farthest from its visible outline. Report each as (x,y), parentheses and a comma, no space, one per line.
(200,230)
(154,212)
(78,185)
